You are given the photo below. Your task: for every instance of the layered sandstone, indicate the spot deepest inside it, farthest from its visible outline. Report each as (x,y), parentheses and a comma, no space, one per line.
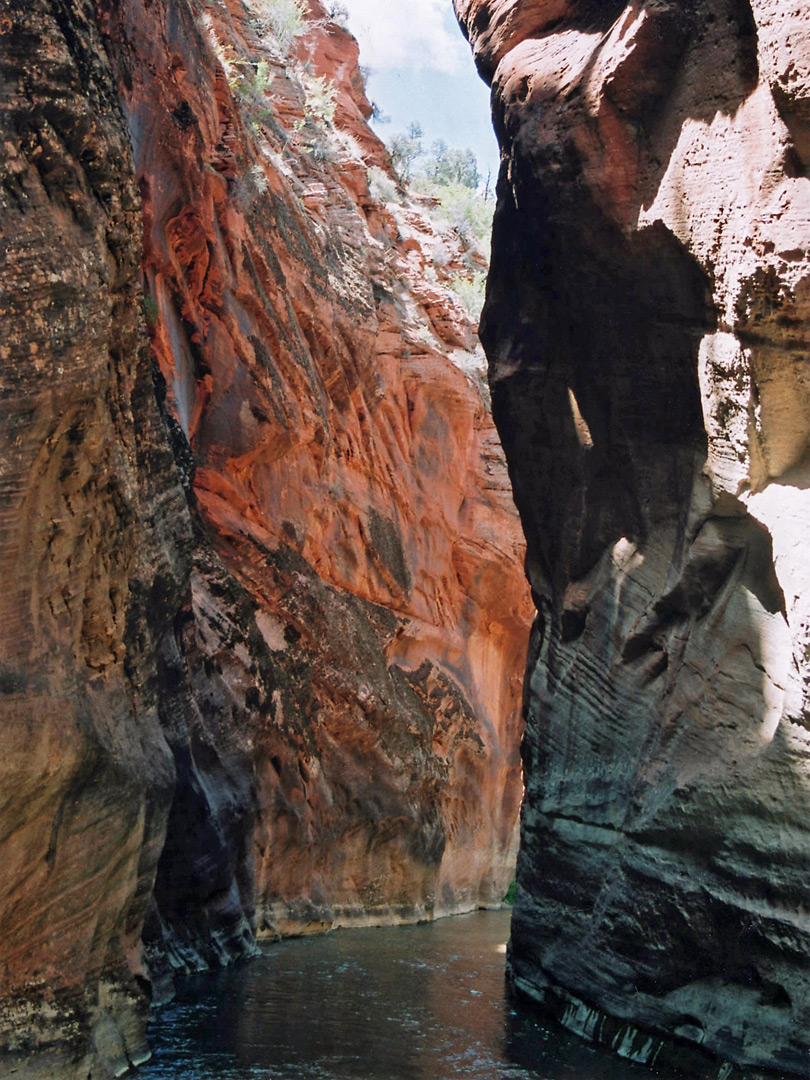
(647,335)
(357,609)
(265,603)
(95,545)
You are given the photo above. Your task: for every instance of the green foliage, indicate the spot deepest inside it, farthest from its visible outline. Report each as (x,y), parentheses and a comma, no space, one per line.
(314,133)
(405,148)
(249,82)
(380,185)
(443,164)
(284,19)
(471,291)
(346,146)
(451,178)
(510,893)
(321,99)
(447,165)
(467,211)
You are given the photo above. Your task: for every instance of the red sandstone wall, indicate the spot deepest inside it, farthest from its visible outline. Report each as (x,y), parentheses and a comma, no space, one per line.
(347,477)
(95,545)
(261,644)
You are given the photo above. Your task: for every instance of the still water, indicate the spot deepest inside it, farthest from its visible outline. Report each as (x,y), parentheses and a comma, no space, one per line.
(411,1003)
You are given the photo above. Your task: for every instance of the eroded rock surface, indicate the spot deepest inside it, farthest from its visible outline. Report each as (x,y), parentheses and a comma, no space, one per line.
(357,612)
(647,334)
(95,546)
(265,605)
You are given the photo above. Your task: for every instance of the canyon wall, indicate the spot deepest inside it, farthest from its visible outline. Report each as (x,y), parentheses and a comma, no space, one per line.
(95,550)
(263,613)
(646,328)
(357,608)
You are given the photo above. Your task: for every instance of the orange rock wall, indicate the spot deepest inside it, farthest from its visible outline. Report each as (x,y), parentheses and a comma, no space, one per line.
(261,646)
(347,476)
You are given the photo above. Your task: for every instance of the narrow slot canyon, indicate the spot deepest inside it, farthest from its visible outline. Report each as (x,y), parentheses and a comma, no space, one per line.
(331,610)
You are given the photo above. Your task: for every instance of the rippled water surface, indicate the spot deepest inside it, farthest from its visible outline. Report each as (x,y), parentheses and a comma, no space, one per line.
(411,1003)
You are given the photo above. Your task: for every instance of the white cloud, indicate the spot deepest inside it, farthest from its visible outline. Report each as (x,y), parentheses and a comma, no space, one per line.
(407,34)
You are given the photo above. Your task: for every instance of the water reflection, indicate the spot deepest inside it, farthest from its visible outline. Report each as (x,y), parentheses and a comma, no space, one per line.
(412,1003)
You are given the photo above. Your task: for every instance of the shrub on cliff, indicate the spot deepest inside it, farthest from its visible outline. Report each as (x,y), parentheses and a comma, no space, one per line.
(471,291)
(381,187)
(284,19)
(466,210)
(320,101)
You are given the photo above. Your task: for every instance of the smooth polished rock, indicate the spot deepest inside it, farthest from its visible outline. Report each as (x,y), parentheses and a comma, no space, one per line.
(647,332)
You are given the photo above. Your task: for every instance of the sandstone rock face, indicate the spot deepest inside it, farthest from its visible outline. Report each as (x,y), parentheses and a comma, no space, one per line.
(357,608)
(95,544)
(364,620)
(647,334)
(266,610)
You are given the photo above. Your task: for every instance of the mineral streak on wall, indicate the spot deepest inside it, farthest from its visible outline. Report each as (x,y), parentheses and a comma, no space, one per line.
(263,608)
(647,334)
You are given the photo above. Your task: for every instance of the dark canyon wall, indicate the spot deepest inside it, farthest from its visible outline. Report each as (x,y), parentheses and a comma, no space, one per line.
(263,608)
(647,332)
(95,546)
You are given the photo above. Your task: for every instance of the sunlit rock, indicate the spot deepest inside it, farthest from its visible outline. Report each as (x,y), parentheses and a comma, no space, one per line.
(263,607)
(647,334)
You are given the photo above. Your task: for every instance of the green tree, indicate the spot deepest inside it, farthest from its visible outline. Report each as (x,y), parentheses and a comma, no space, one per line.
(450,166)
(405,149)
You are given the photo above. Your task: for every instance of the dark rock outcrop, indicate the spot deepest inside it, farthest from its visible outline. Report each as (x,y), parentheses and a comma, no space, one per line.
(95,548)
(647,334)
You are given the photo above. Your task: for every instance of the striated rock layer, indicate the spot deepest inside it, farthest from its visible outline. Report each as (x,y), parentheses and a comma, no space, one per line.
(262,606)
(647,333)
(357,606)
(95,546)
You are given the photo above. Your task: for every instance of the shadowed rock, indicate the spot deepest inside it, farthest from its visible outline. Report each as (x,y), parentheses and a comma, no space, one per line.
(262,600)
(646,330)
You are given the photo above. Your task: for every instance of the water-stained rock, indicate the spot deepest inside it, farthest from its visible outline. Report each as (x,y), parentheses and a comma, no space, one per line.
(95,545)
(264,607)
(646,329)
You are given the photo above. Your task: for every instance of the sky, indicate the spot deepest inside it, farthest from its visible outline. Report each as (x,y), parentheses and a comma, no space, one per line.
(421,70)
